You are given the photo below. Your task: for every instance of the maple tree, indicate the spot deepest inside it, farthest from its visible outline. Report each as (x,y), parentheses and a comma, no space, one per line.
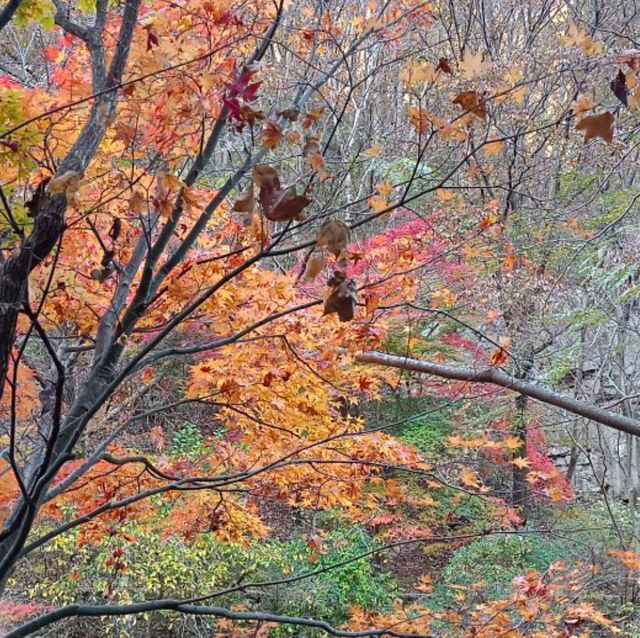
(224,214)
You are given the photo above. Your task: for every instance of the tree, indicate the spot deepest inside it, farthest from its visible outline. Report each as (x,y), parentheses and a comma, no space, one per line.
(213,213)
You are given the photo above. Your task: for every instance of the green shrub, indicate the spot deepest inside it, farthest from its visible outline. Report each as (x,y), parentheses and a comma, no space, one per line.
(171,568)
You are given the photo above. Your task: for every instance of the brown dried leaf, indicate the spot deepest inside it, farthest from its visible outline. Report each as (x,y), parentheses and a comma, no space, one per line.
(271,135)
(264,175)
(342,299)
(315,264)
(287,205)
(600,125)
(245,201)
(312,116)
(470,102)
(137,202)
(289,114)
(312,146)
(334,235)
(444,66)
(247,114)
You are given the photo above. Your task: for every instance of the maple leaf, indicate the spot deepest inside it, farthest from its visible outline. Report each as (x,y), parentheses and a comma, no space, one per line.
(342,298)
(472,65)
(470,478)
(512,443)
(445,195)
(385,189)
(271,134)
(287,205)
(600,125)
(619,87)
(334,234)
(581,105)
(242,86)
(378,204)
(493,148)
(312,116)
(419,119)
(417,72)
(520,463)
(574,36)
(498,357)
(445,66)
(471,103)
(372,151)
(314,266)
(245,201)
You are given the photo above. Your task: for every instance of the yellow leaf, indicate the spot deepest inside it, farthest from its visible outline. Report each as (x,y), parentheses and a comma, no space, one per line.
(472,65)
(493,148)
(377,203)
(574,37)
(581,105)
(470,478)
(385,189)
(445,195)
(372,151)
(417,72)
(512,443)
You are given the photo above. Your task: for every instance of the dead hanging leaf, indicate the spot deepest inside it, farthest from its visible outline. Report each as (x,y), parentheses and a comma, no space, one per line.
(417,72)
(271,135)
(125,133)
(245,201)
(287,205)
(597,126)
(444,66)
(289,114)
(266,178)
(342,299)
(470,102)
(67,183)
(264,175)
(494,147)
(312,116)
(316,161)
(581,105)
(247,114)
(498,357)
(312,145)
(312,151)
(500,354)
(315,264)
(334,235)
(619,87)
(293,137)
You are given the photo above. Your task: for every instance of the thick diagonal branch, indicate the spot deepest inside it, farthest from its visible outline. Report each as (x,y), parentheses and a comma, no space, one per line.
(497,377)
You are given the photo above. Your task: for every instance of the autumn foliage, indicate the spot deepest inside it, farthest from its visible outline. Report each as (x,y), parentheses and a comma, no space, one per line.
(209,210)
